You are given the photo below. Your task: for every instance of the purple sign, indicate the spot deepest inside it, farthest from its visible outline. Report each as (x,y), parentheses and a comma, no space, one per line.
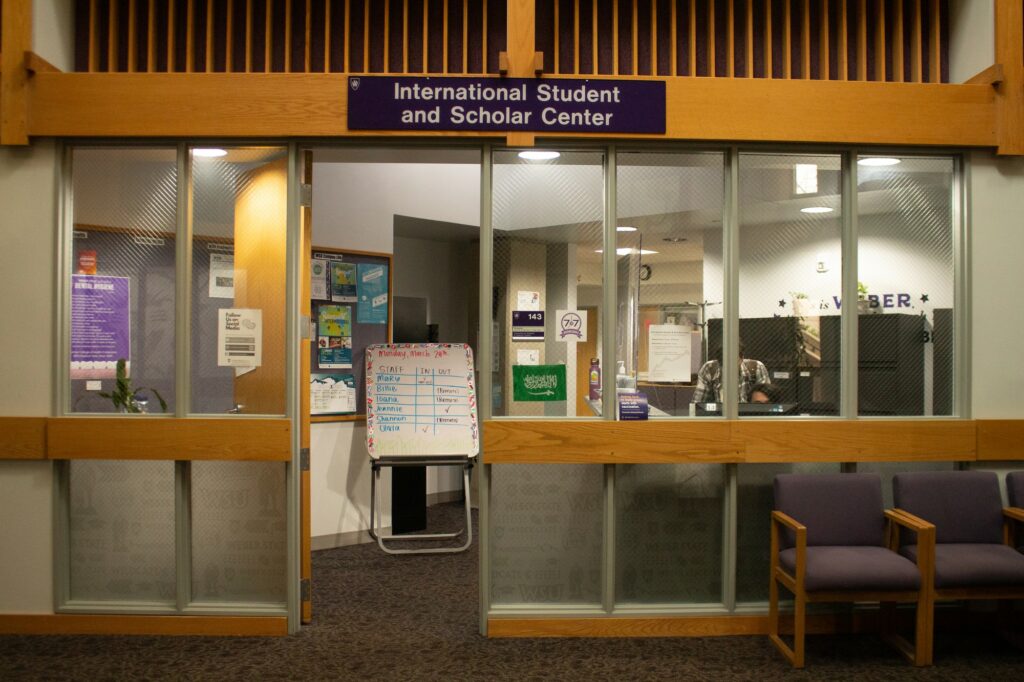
(100,325)
(632,406)
(527,325)
(503,104)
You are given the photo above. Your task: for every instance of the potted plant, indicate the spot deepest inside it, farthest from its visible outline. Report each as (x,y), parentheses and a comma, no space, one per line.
(865,306)
(125,398)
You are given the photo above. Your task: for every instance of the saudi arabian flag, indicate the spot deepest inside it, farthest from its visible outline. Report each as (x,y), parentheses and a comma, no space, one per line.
(538,382)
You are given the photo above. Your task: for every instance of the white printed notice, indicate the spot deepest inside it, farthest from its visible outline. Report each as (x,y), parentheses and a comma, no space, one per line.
(668,352)
(421,400)
(239,337)
(319,273)
(222,275)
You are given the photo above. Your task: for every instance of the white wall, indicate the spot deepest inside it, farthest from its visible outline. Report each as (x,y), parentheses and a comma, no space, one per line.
(53,32)
(27,229)
(997,242)
(971,39)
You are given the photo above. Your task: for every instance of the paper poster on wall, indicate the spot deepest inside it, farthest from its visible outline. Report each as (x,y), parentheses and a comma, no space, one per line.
(318,270)
(668,352)
(343,282)
(222,275)
(538,383)
(239,337)
(100,325)
(332,394)
(571,325)
(528,300)
(373,294)
(334,336)
(527,357)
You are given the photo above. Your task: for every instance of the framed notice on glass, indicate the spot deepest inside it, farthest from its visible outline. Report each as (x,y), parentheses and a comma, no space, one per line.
(342,325)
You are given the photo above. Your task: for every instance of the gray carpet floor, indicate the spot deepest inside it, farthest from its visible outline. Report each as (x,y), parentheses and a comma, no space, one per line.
(382,617)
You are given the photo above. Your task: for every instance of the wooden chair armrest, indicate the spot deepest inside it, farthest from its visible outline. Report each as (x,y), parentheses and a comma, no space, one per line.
(1014,513)
(788,521)
(907,520)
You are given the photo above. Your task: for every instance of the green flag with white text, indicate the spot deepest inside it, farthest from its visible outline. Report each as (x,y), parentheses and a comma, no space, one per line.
(538,382)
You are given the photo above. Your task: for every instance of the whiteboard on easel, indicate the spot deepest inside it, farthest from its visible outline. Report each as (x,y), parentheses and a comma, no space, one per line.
(421,400)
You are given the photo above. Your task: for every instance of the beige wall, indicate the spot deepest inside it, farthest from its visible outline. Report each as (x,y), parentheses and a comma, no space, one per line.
(997,236)
(27,230)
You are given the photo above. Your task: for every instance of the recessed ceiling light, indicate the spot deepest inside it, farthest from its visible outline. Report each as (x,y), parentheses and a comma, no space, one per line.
(627,250)
(816,209)
(209,152)
(673,240)
(625,228)
(878,161)
(538,155)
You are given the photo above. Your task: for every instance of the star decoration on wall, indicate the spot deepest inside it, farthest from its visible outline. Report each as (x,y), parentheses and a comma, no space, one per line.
(924,298)
(782,303)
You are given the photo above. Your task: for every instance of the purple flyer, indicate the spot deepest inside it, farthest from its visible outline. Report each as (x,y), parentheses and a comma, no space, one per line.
(100,325)
(632,406)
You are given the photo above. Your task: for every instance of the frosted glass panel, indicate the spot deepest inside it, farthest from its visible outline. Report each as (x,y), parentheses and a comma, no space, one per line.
(668,533)
(546,534)
(239,531)
(548,240)
(790,214)
(905,272)
(669,247)
(122,531)
(239,217)
(755,501)
(122,283)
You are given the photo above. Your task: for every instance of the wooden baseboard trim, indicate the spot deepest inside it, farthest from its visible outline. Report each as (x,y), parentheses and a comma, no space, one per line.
(75,624)
(667,626)
(674,626)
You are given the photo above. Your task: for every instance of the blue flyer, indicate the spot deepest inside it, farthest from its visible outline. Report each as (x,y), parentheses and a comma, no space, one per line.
(372,284)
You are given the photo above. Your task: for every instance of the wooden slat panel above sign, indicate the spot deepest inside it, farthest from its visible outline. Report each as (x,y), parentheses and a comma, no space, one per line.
(315,105)
(743,441)
(169,439)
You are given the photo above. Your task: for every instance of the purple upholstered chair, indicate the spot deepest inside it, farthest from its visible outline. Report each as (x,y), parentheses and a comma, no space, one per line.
(829,543)
(972,559)
(1015,493)
(1015,488)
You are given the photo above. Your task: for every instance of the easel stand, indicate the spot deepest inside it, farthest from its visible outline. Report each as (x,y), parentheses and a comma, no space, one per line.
(465,462)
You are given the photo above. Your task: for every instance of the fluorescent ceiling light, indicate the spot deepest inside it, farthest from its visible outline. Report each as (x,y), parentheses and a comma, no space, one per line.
(878,161)
(538,155)
(209,152)
(816,209)
(625,228)
(626,250)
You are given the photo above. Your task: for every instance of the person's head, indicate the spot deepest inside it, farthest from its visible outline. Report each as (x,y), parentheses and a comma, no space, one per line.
(765,393)
(716,354)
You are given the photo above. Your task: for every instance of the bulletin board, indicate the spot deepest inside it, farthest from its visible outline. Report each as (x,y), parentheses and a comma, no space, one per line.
(350,310)
(421,401)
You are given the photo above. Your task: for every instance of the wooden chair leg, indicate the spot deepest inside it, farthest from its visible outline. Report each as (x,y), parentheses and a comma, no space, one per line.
(924,631)
(799,627)
(773,624)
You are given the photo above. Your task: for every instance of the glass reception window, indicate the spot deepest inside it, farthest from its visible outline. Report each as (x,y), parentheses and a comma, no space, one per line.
(905,266)
(670,278)
(547,280)
(790,274)
(122,280)
(239,227)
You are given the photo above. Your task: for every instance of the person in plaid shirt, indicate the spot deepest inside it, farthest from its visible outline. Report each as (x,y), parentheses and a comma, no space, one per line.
(709,379)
